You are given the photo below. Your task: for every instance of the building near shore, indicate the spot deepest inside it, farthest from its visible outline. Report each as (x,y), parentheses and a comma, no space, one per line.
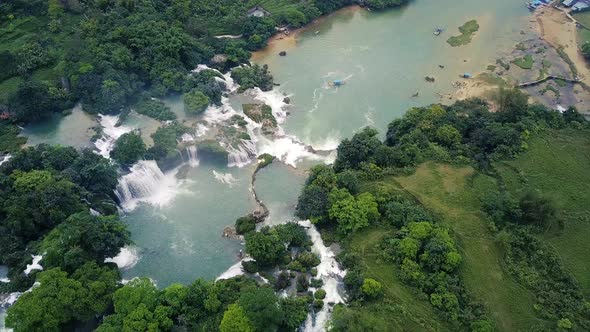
(577,5)
(257,11)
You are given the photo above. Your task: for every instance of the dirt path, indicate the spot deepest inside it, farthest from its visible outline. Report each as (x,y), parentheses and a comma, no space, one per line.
(560,31)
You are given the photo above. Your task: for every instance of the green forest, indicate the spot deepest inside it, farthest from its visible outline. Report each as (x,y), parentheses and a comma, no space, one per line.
(460,219)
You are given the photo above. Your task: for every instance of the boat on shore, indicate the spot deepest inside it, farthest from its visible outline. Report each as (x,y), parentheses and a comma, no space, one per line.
(438,31)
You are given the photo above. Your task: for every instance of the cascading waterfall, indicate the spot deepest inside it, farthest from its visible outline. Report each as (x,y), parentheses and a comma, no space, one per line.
(126,259)
(193,158)
(243,155)
(147,183)
(4,159)
(110,133)
(332,276)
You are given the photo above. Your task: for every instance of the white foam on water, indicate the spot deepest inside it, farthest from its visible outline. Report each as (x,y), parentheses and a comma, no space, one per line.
(275,99)
(215,114)
(5,280)
(126,259)
(228,81)
(201,130)
(148,184)
(332,276)
(186,137)
(110,132)
(5,158)
(287,149)
(10,299)
(126,281)
(226,178)
(193,158)
(34,265)
(235,270)
(243,154)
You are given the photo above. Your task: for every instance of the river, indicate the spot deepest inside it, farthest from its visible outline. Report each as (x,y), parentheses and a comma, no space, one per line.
(383,58)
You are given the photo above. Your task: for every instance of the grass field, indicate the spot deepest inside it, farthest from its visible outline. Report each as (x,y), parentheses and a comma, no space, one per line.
(454,194)
(558,166)
(526,62)
(402,308)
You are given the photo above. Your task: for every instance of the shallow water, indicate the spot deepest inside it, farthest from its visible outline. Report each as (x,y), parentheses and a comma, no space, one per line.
(74,129)
(383,59)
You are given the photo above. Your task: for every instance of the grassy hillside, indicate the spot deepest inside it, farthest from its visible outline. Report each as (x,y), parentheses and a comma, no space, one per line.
(402,308)
(557,165)
(453,193)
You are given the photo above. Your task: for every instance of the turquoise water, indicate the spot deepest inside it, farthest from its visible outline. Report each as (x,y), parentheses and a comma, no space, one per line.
(74,129)
(383,58)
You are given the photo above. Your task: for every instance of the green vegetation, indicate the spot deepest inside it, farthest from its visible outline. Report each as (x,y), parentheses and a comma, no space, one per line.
(467,30)
(212,150)
(9,139)
(245,224)
(264,160)
(492,79)
(261,113)
(550,87)
(525,63)
(253,76)
(569,61)
(128,148)
(155,109)
(195,102)
(166,141)
(447,230)
(108,53)
(561,177)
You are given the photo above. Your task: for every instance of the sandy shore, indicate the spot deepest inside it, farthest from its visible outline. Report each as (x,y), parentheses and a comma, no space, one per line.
(284,42)
(555,27)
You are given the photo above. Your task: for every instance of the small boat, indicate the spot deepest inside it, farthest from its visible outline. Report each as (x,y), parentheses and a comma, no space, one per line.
(467,75)
(438,31)
(337,83)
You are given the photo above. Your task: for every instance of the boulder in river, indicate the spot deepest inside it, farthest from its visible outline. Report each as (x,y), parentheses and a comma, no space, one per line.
(282,53)
(261,113)
(429,79)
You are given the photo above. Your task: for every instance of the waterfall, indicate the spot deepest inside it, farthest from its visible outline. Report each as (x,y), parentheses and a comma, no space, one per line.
(332,276)
(126,259)
(235,270)
(34,265)
(189,155)
(193,159)
(147,183)
(110,133)
(243,155)
(4,159)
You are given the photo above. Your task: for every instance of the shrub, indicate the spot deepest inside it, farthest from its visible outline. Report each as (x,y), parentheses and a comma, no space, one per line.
(302,283)
(320,294)
(250,266)
(195,102)
(245,224)
(372,288)
(128,148)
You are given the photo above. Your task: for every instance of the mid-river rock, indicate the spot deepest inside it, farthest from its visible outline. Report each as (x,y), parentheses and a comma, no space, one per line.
(261,113)
(282,53)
